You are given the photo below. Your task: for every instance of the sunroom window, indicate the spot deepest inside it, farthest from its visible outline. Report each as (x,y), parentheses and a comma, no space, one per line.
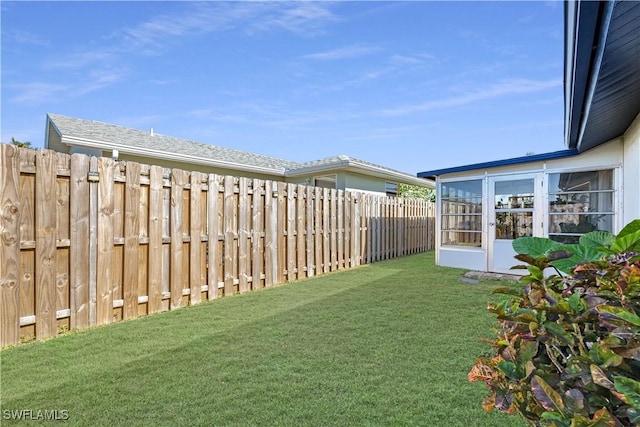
(580,202)
(461,213)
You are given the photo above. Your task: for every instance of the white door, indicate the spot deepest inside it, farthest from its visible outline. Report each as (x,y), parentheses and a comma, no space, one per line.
(513,212)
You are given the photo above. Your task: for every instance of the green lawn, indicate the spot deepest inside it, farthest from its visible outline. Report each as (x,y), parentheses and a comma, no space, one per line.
(387,344)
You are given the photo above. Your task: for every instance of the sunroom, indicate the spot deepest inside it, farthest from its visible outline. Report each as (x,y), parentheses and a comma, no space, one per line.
(482,208)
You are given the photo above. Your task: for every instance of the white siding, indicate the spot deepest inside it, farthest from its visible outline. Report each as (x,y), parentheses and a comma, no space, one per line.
(631,173)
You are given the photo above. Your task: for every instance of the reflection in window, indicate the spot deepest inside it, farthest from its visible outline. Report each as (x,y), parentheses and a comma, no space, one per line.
(461,213)
(580,202)
(514,208)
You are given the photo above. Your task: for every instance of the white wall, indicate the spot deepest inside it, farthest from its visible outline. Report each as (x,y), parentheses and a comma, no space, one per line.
(631,172)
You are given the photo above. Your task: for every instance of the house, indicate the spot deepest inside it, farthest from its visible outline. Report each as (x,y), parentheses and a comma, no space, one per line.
(73,135)
(593,184)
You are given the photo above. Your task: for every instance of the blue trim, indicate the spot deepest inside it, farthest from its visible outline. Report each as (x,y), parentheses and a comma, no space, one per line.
(496,163)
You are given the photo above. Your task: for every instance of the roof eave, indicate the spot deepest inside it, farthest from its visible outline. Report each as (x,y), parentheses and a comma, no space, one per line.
(102,145)
(586,28)
(498,163)
(355,166)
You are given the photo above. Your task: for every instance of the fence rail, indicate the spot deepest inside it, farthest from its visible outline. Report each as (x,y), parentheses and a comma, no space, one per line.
(88,241)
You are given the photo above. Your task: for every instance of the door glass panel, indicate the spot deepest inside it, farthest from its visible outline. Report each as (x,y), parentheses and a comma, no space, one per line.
(511,225)
(513,204)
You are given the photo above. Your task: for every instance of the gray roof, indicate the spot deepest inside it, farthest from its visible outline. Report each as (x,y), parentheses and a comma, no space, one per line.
(106,136)
(111,134)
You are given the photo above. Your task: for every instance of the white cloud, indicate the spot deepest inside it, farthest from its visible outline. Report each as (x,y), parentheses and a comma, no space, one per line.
(36,93)
(502,88)
(345,52)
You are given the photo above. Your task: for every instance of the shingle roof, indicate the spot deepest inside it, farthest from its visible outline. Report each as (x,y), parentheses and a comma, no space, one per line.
(111,134)
(108,136)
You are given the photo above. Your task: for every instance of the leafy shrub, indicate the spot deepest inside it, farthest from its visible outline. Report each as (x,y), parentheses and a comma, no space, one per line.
(567,347)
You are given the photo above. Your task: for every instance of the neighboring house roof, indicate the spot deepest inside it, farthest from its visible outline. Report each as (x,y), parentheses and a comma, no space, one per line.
(496,163)
(105,136)
(344,162)
(602,70)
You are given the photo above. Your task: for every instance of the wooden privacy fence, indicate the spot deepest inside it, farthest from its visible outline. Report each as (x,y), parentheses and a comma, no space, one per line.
(88,241)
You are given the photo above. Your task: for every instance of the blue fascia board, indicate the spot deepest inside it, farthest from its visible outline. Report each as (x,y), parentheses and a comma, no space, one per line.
(497,163)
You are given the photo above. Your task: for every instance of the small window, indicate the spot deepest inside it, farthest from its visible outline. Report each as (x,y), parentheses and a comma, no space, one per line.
(327,181)
(580,202)
(391,188)
(461,213)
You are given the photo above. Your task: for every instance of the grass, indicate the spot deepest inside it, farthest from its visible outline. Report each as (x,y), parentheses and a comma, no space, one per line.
(386,344)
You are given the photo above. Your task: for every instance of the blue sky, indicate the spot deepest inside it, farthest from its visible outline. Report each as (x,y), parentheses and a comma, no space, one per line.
(414,86)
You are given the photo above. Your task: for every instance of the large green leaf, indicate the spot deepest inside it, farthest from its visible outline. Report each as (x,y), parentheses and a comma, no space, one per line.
(597,239)
(559,332)
(619,313)
(546,396)
(580,255)
(627,243)
(534,246)
(629,388)
(604,356)
(600,378)
(630,228)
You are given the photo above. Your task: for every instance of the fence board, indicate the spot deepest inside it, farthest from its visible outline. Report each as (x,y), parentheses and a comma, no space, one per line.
(10,247)
(195,233)
(79,246)
(131,241)
(176,269)
(271,235)
(45,203)
(291,233)
(281,227)
(309,240)
(229,235)
(213,224)
(301,267)
(257,231)
(243,235)
(105,224)
(317,230)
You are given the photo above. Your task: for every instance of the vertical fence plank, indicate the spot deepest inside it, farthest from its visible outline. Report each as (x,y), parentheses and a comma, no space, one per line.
(281,220)
(333,205)
(229,235)
(340,226)
(104,294)
(10,247)
(257,231)
(309,244)
(326,230)
(317,233)
(176,269)
(79,249)
(291,232)
(46,244)
(302,268)
(270,235)
(155,257)
(243,236)
(195,233)
(131,240)
(213,223)
(347,229)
